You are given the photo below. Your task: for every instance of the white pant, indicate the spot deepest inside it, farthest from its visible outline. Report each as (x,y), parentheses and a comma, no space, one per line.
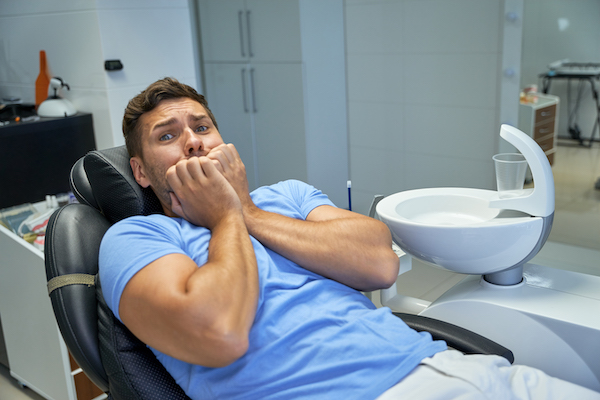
(453,375)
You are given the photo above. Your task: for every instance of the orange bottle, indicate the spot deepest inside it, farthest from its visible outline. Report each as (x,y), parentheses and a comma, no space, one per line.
(42,82)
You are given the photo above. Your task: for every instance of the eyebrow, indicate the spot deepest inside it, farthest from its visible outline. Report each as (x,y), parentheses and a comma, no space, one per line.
(167,122)
(171,121)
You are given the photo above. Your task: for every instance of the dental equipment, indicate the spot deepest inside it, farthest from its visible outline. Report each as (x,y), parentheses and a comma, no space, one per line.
(549,318)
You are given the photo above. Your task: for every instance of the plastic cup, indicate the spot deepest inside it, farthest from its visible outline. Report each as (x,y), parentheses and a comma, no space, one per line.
(510,174)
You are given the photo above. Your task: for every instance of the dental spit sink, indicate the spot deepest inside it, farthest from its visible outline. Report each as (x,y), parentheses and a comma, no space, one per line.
(455,228)
(473,231)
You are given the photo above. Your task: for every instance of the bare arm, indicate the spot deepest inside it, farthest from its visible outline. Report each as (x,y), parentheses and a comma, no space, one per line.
(198,315)
(341,245)
(351,248)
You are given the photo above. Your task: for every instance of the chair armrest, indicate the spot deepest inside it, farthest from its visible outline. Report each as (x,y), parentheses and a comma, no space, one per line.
(456,337)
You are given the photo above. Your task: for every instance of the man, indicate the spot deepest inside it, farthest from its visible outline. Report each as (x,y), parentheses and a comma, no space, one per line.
(257,296)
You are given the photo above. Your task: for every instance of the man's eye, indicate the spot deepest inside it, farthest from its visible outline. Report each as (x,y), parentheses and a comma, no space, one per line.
(166,136)
(201,128)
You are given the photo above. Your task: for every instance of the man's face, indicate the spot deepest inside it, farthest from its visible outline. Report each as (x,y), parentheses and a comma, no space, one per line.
(175,130)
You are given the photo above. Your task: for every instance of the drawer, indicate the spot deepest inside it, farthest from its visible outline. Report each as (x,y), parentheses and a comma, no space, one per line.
(546,143)
(543,129)
(545,113)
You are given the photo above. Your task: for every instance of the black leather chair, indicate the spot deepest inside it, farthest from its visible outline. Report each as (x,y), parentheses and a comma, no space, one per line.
(110,355)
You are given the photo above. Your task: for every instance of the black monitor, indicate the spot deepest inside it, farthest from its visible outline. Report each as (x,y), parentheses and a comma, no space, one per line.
(36,156)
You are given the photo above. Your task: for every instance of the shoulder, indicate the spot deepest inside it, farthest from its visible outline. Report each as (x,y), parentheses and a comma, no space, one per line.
(284,196)
(130,245)
(291,188)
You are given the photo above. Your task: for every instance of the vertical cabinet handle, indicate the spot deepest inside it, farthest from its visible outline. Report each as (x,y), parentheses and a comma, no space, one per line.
(254,108)
(241,30)
(244,90)
(249,36)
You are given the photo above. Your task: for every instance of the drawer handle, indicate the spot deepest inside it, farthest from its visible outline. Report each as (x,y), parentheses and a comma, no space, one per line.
(250,54)
(244,90)
(253,91)
(546,113)
(544,130)
(241,30)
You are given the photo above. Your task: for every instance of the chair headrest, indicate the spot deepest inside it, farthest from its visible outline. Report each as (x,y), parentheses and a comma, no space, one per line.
(103,179)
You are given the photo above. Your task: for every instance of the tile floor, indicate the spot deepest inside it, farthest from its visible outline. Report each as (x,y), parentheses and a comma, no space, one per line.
(574,243)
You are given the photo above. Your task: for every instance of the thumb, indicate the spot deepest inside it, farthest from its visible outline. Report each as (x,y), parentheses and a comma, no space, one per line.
(176,205)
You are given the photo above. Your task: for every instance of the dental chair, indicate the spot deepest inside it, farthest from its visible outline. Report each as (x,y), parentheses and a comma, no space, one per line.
(109,354)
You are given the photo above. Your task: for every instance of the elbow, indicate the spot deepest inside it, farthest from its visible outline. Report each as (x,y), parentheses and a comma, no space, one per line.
(389,264)
(222,347)
(385,273)
(230,349)
(390,273)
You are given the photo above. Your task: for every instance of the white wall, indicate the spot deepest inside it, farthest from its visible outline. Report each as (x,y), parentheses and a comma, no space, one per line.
(322,40)
(558,29)
(152,39)
(424,81)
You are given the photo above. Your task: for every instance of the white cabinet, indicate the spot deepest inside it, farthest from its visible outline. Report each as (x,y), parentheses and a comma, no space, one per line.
(274,73)
(244,30)
(226,92)
(266,128)
(37,354)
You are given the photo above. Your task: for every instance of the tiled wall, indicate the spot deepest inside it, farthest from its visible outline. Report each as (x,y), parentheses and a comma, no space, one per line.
(423,91)
(152,39)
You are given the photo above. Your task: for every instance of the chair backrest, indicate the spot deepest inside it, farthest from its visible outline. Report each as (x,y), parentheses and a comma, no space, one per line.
(110,355)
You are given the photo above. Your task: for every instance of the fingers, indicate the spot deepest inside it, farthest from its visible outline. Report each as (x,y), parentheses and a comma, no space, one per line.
(223,156)
(193,169)
(200,193)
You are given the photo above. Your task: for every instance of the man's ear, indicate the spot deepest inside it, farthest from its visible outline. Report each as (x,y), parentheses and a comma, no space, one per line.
(138,171)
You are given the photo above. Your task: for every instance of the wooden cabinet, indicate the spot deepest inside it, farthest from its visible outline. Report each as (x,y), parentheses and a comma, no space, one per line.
(540,121)
(84,387)
(274,74)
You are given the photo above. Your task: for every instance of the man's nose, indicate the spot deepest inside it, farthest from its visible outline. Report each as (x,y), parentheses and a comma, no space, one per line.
(194,145)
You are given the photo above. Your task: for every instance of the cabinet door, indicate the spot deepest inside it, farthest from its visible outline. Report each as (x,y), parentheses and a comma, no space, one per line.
(279,122)
(250,30)
(274,30)
(228,96)
(223,30)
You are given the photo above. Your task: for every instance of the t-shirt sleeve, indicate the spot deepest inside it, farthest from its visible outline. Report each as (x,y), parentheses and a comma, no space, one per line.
(130,245)
(304,195)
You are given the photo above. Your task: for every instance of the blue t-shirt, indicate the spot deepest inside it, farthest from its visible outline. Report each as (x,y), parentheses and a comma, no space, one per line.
(312,337)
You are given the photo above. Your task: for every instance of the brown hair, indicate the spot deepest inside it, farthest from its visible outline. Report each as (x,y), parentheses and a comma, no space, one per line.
(163,89)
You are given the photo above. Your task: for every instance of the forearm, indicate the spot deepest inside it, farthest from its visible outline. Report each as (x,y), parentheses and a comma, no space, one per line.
(354,250)
(201,315)
(231,277)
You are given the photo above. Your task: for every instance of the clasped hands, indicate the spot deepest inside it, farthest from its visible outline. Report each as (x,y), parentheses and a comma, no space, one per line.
(208,189)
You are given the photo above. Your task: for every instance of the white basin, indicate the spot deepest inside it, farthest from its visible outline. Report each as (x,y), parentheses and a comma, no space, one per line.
(456,229)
